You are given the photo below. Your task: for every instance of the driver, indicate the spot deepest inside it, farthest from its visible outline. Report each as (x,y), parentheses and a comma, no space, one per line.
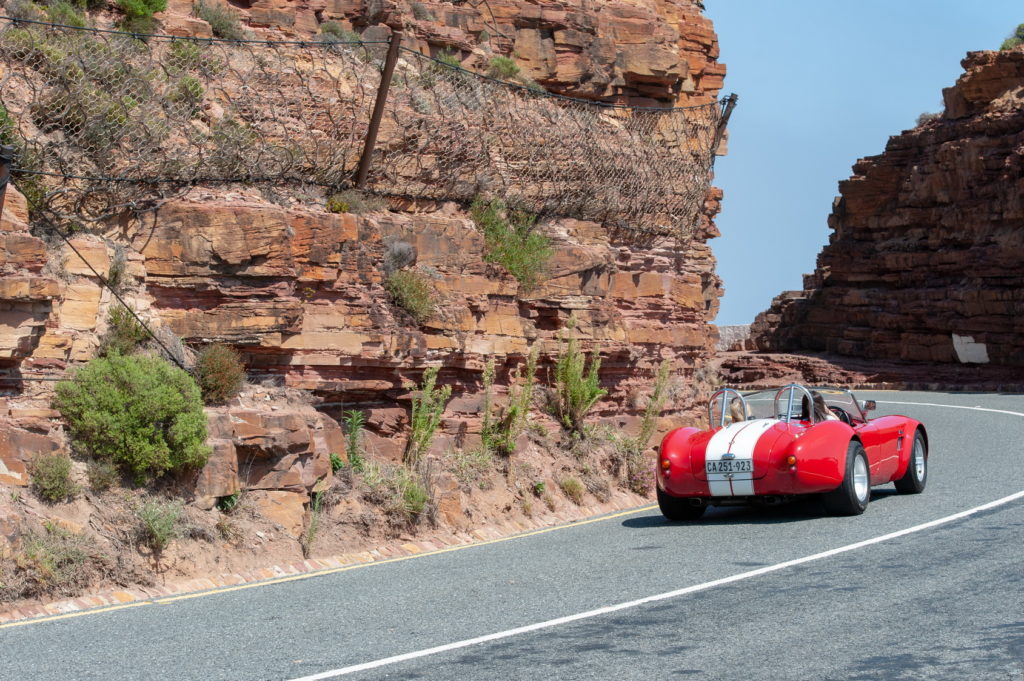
(821,410)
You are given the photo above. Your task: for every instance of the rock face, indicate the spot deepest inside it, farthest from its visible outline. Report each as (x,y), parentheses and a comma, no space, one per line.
(627,51)
(928,238)
(299,291)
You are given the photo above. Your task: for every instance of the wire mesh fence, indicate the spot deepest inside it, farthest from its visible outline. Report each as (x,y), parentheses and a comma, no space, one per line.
(107,121)
(452,134)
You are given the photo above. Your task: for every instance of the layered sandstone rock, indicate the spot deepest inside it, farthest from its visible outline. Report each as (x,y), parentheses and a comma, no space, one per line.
(627,51)
(928,238)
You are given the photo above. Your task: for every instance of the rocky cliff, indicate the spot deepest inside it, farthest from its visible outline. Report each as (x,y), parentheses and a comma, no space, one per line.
(927,238)
(298,290)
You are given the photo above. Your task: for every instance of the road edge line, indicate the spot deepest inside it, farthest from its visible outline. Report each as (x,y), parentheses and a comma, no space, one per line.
(426,652)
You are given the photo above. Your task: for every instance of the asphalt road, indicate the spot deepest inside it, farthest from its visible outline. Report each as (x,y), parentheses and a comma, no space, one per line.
(942,602)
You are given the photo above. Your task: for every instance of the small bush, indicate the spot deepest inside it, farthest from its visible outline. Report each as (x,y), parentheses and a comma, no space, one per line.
(338,33)
(398,255)
(503,68)
(227,530)
(220,373)
(1015,39)
(116,271)
(142,27)
(573,489)
(25,9)
(159,523)
(413,292)
(229,503)
(102,475)
(576,388)
(355,202)
(337,463)
(50,476)
(309,536)
(54,563)
(538,488)
(184,55)
(928,117)
(124,333)
(66,14)
(511,241)
(401,492)
(139,412)
(8,128)
(354,422)
(188,94)
(472,468)
(141,8)
(223,21)
(427,408)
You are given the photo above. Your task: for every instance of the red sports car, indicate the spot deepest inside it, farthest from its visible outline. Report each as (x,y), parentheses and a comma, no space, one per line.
(767,446)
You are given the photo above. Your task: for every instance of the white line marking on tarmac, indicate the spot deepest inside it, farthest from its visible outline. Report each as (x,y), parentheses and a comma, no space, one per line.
(659,597)
(956,406)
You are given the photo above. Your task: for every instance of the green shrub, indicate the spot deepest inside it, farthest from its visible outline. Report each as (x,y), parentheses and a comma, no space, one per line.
(50,476)
(1015,39)
(139,412)
(141,8)
(354,422)
(401,492)
(501,430)
(124,333)
(219,372)
(356,202)
(54,563)
(188,94)
(337,463)
(24,9)
(413,292)
(223,21)
(538,488)
(8,128)
(66,14)
(142,27)
(511,241)
(332,31)
(309,536)
(427,408)
(159,523)
(228,503)
(472,467)
(573,489)
(184,55)
(638,469)
(576,389)
(102,475)
(503,68)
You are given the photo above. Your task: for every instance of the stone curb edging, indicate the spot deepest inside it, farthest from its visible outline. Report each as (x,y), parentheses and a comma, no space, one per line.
(621,501)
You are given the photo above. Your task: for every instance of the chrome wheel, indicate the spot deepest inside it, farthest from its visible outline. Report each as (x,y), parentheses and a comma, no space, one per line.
(860,479)
(919,458)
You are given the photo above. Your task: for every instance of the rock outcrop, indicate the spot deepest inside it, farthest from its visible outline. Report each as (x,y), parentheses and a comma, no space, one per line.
(928,237)
(627,51)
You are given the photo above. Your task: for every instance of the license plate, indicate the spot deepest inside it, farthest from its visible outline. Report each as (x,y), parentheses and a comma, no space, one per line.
(740,466)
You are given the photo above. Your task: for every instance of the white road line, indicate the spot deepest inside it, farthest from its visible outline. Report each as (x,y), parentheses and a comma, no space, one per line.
(956,406)
(658,597)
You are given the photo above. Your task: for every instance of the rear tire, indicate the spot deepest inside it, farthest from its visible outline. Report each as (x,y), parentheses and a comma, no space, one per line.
(851,497)
(914,479)
(679,508)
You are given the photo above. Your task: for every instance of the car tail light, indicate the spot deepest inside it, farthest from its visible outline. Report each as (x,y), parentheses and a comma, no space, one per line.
(790,460)
(666,466)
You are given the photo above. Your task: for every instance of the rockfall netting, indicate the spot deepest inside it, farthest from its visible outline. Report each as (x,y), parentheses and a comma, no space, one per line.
(106,122)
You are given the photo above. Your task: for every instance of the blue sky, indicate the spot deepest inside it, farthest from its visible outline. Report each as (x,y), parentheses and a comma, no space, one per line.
(821,84)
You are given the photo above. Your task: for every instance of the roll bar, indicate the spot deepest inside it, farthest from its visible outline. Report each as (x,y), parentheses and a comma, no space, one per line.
(791,392)
(721,416)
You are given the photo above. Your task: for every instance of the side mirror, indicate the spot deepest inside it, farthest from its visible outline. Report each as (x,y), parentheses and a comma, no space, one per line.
(868,405)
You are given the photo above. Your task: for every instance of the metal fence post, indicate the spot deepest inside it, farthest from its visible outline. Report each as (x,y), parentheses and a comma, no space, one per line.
(6,159)
(723,122)
(378,108)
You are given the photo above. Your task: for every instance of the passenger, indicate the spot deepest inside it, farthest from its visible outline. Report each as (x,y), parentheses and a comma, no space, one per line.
(736,410)
(821,410)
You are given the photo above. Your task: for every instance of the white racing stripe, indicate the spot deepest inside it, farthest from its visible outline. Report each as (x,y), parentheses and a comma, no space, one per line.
(659,597)
(739,439)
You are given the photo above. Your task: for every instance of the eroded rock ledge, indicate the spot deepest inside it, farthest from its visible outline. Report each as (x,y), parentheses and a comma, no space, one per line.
(924,260)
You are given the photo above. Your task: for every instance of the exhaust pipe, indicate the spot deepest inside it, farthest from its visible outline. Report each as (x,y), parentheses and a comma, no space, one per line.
(696,501)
